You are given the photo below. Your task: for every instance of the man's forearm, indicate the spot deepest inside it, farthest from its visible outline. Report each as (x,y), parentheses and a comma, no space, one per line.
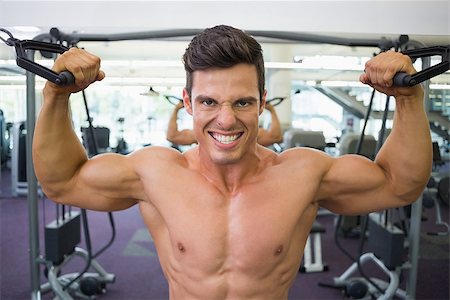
(407,152)
(275,127)
(57,151)
(172,128)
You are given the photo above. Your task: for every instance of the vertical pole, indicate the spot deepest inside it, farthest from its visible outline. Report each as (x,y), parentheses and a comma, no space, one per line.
(32,194)
(414,241)
(416,212)
(426,84)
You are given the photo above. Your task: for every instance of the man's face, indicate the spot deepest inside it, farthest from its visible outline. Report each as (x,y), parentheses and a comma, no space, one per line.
(225,107)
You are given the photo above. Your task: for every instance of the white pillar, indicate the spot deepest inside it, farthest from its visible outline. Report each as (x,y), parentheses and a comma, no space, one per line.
(278,82)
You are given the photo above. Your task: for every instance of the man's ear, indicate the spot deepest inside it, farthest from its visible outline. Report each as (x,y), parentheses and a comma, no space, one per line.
(187,102)
(262,104)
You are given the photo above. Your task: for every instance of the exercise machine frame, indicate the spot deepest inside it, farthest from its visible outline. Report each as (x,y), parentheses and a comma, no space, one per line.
(391,288)
(32,195)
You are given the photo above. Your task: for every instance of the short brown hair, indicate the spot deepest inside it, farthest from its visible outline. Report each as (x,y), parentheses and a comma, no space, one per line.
(222,47)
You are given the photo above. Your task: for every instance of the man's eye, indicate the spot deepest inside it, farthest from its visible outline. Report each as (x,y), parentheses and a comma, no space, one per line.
(243,103)
(208,102)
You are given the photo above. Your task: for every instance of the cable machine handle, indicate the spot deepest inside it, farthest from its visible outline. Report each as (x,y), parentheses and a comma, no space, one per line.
(65,78)
(61,79)
(276,100)
(22,60)
(403,79)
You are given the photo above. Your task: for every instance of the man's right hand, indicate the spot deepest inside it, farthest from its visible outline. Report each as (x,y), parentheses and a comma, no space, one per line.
(269,107)
(84,66)
(179,105)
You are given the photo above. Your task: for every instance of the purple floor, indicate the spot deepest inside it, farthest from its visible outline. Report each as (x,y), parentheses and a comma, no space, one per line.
(138,274)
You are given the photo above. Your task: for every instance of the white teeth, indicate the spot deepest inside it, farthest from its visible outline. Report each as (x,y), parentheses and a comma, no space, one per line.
(225,139)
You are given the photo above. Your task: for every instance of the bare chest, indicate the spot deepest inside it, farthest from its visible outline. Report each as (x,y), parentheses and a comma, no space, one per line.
(251,231)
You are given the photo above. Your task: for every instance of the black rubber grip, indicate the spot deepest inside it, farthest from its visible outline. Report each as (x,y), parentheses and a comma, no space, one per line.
(65,78)
(403,79)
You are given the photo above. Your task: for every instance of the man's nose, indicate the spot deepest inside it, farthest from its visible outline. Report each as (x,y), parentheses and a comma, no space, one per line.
(226,117)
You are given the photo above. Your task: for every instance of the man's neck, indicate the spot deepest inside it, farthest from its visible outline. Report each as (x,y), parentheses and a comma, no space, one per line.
(228,178)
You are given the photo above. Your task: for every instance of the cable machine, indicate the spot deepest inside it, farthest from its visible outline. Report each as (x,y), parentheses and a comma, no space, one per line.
(26,61)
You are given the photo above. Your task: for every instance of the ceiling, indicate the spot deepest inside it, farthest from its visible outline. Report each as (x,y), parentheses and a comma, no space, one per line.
(427,22)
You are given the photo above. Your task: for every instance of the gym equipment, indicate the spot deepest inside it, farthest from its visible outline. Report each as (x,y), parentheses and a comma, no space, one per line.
(174,100)
(386,255)
(294,137)
(19,160)
(70,280)
(101,143)
(437,157)
(276,100)
(403,79)
(353,288)
(390,251)
(122,145)
(59,284)
(73,38)
(348,145)
(61,239)
(359,287)
(312,255)
(5,139)
(433,196)
(443,190)
(84,287)
(22,60)
(389,259)
(62,236)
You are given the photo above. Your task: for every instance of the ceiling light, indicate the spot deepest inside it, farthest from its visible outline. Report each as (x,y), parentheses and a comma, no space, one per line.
(151,92)
(27,29)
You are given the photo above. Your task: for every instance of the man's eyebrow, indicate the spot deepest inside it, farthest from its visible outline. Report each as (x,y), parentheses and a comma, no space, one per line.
(249,99)
(204,98)
(201,98)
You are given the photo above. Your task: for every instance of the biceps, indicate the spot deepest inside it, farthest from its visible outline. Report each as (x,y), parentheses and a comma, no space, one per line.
(106,182)
(356,185)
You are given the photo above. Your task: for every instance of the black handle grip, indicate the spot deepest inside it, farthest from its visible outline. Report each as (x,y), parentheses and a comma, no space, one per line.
(65,78)
(403,79)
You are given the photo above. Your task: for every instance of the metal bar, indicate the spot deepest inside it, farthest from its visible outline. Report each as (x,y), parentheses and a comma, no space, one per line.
(282,35)
(32,190)
(414,243)
(32,194)
(426,62)
(338,99)
(72,38)
(382,133)
(366,119)
(442,51)
(302,37)
(416,216)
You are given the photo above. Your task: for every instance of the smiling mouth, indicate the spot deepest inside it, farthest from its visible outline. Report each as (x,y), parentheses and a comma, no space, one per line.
(225,139)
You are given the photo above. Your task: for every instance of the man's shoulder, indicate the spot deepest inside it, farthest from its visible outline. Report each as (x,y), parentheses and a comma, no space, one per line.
(302,153)
(303,158)
(156,155)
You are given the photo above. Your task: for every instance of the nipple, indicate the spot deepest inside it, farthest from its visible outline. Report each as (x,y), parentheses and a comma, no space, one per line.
(181,247)
(279,250)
